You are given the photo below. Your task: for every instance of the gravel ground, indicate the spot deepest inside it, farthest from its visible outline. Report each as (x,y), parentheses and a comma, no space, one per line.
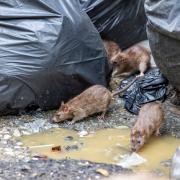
(16,162)
(51,169)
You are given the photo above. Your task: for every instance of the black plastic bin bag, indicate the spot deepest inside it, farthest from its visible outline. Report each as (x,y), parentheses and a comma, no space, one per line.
(123,21)
(164,37)
(49,51)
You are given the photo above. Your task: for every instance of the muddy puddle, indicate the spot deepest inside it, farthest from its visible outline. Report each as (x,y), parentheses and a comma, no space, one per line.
(104,146)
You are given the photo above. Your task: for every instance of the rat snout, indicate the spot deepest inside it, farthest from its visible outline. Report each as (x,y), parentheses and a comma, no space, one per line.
(133,149)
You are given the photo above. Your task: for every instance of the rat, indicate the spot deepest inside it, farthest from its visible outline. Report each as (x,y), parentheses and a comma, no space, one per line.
(111,48)
(149,121)
(135,58)
(95,99)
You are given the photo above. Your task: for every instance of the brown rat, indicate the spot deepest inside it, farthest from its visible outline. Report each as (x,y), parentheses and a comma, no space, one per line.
(111,48)
(93,100)
(150,119)
(135,58)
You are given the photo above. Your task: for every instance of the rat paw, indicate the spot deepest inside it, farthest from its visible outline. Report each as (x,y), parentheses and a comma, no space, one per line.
(101,117)
(71,122)
(157,133)
(140,75)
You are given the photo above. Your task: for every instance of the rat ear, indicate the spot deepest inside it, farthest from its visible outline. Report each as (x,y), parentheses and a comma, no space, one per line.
(133,132)
(65,108)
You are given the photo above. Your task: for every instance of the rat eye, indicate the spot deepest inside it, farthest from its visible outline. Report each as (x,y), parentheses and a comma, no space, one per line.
(114,62)
(138,142)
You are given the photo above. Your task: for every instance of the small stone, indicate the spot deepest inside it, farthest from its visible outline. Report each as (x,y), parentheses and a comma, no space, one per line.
(26,133)
(82,133)
(86,163)
(166,163)
(68,138)
(19,143)
(16,133)
(72,148)
(6,136)
(97,177)
(25,169)
(3,142)
(4,130)
(26,159)
(17,147)
(9,151)
(20,156)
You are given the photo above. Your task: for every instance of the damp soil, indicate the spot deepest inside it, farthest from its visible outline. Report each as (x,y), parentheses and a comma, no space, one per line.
(17,162)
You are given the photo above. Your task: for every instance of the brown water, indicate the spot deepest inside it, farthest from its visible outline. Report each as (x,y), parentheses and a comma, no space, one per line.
(103,146)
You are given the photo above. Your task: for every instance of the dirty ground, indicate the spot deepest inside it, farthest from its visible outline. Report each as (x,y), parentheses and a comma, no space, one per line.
(16,160)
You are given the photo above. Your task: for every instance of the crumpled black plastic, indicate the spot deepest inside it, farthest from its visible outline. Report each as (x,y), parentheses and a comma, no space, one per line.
(123,21)
(152,87)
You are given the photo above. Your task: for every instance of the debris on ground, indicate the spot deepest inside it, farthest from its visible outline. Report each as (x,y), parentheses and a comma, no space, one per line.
(103,172)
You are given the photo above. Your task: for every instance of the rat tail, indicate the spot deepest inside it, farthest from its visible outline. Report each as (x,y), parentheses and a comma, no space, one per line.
(125,88)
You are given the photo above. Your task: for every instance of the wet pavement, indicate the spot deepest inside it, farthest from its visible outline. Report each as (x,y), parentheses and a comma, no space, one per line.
(16,160)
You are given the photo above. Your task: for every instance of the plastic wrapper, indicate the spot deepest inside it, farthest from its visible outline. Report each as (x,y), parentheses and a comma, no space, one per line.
(152,87)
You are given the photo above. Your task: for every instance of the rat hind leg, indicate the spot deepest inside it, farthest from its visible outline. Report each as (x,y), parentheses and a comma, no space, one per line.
(102,116)
(143,66)
(157,132)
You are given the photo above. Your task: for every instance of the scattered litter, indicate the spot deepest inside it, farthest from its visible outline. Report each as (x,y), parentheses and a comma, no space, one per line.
(82,133)
(103,172)
(40,156)
(56,148)
(41,146)
(129,160)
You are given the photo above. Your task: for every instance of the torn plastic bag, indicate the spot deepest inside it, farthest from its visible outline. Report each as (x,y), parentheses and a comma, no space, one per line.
(49,51)
(123,21)
(151,87)
(164,37)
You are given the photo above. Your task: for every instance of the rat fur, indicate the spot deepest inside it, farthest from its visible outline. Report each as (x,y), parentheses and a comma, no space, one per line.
(135,58)
(111,48)
(149,121)
(93,100)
